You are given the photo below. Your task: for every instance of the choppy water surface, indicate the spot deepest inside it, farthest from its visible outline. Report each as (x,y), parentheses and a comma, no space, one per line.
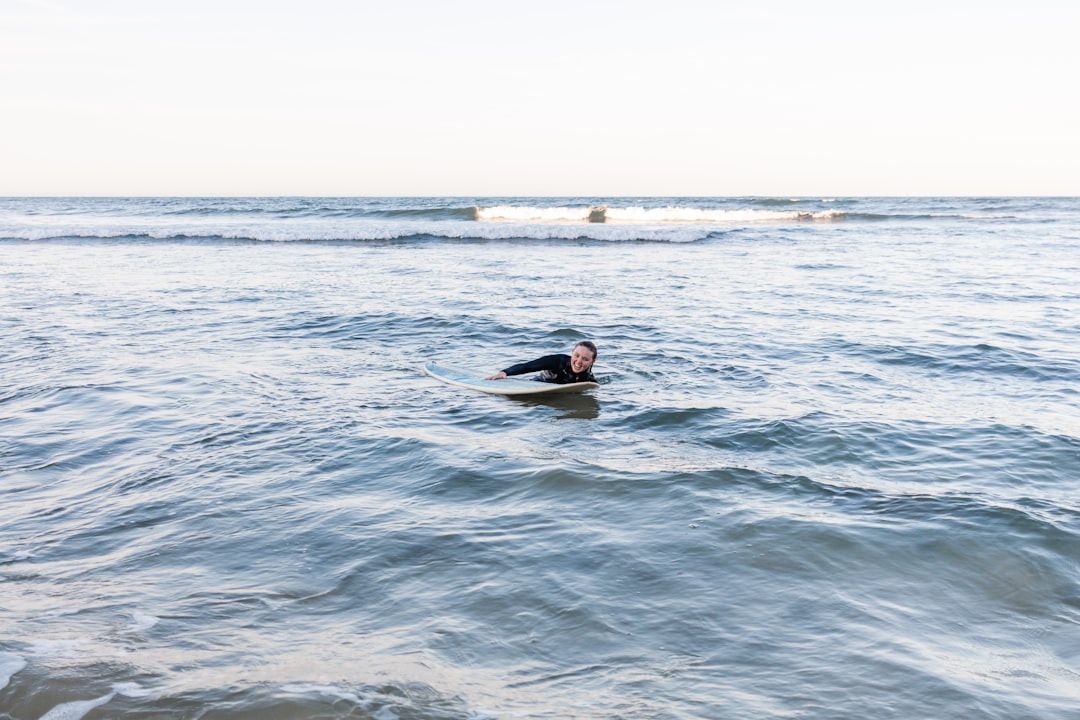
(832,470)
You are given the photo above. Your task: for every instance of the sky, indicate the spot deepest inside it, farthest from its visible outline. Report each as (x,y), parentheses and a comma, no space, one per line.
(596,98)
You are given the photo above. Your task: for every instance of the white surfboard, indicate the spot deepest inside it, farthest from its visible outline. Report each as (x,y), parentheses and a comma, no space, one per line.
(509,386)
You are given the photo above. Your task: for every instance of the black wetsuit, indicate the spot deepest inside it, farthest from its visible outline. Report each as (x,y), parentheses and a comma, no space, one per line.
(553,369)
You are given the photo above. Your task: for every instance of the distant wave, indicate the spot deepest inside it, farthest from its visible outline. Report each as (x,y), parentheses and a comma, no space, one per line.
(320,219)
(641,214)
(326,211)
(360,231)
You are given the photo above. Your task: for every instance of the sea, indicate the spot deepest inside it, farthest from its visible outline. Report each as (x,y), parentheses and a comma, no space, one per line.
(832,469)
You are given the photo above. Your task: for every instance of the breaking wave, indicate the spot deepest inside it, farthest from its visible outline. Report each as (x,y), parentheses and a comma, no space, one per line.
(641,214)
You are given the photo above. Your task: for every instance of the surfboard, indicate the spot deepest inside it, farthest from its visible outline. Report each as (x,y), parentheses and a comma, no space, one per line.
(509,386)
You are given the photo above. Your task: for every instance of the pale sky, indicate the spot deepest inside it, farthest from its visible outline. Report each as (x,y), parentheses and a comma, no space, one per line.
(418,97)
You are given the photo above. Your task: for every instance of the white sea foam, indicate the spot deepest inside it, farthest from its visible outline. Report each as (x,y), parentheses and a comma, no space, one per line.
(127,689)
(711,215)
(530,213)
(142,621)
(10,663)
(641,214)
(77,709)
(133,690)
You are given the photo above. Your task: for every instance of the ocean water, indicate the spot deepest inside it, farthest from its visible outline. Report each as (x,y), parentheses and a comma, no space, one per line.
(832,471)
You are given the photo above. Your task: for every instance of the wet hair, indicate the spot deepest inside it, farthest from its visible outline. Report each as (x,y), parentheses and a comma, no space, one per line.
(590,346)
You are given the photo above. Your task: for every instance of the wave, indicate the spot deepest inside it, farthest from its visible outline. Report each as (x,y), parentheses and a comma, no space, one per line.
(979,359)
(642,214)
(369,233)
(279,210)
(521,218)
(752,211)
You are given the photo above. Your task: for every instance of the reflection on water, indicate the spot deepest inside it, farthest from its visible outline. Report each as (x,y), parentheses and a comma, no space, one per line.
(569,406)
